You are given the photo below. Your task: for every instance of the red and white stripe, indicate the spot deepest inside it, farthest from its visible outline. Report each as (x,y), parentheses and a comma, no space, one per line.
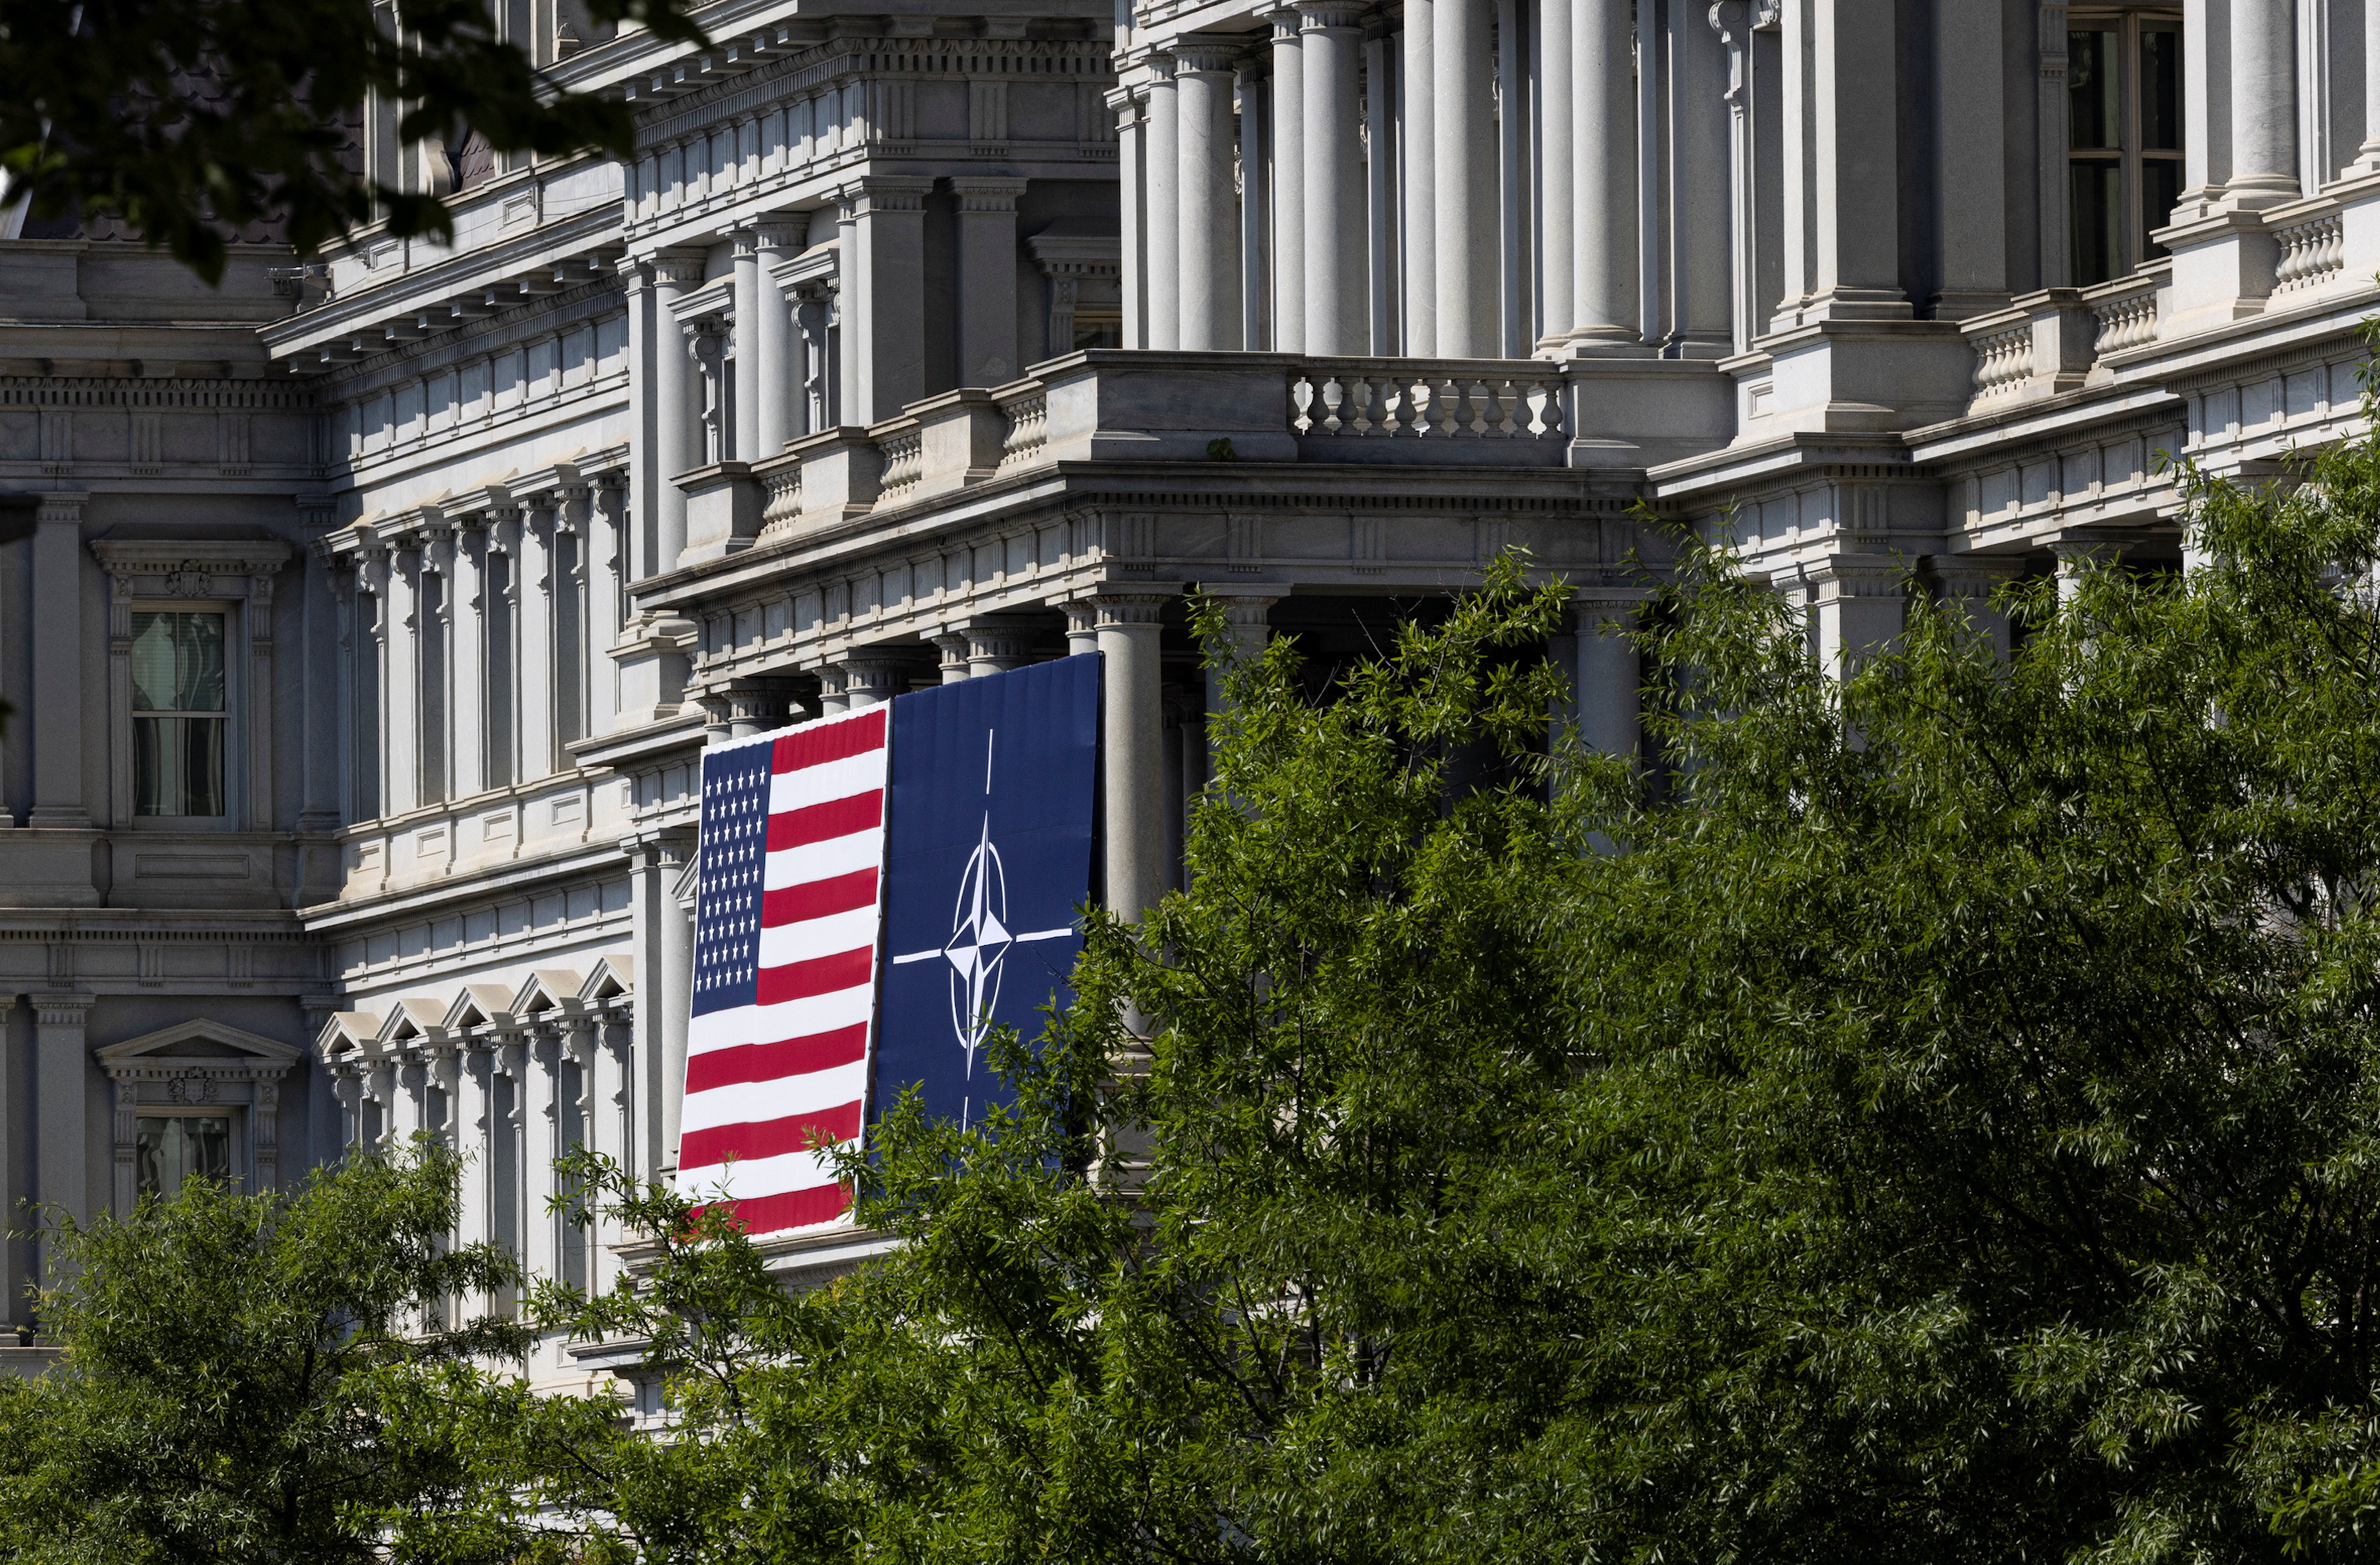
(764,1081)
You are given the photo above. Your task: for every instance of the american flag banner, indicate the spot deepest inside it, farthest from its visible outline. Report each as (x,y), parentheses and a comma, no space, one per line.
(786,931)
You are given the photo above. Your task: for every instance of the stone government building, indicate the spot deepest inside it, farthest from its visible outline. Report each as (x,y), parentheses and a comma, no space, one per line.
(377,611)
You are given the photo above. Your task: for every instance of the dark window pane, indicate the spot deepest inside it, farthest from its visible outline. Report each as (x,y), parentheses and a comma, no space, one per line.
(2094,105)
(177,663)
(1092,331)
(2097,217)
(171,1148)
(178,765)
(2160,189)
(2161,90)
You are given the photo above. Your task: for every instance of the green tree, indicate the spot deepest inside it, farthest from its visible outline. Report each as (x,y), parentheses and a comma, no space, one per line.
(283,1376)
(189,118)
(1934,1120)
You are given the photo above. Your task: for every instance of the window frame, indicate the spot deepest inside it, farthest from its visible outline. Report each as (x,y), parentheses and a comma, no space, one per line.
(237,1176)
(200,575)
(2130,156)
(234,675)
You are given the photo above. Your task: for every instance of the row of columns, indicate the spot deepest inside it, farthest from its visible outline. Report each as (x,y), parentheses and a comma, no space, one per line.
(477,646)
(1125,627)
(800,348)
(573,1080)
(1294,163)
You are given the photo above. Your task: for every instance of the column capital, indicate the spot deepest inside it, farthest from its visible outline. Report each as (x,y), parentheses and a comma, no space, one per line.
(1840,576)
(1974,575)
(1594,606)
(1202,57)
(1313,16)
(62,1008)
(888,193)
(952,644)
(1131,606)
(674,271)
(979,193)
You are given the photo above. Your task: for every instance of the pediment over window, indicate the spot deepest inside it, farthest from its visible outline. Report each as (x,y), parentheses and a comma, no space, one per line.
(197,1040)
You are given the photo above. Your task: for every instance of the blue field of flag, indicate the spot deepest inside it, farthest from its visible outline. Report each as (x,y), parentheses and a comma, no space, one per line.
(994,782)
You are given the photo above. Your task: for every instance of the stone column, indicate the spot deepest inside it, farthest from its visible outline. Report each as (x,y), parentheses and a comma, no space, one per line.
(1694,259)
(743,441)
(1856,607)
(1256,200)
(1417,146)
(832,696)
(472,1132)
(954,647)
(996,644)
(1132,199)
(1249,614)
(400,772)
(988,352)
(1379,188)
(1463,112)
(1603,206)
(777,415)
(2264,105)
(1163,204)
(1606,678)
(885,299)
(636,286)
(62,1082)
(2077,557)
(1207,223)
(663,939)
(466,655)
(1513,339)
(842,318)
(1971,193)
(60,700)
(1082,627)
(1132,780)
(534,674)
(675,405)
(755,706)
(872,678)
(1855,190)
(1555,193)
(1331,43)
(538,1074)
(1287,252)
(2367,157)
(1968,583)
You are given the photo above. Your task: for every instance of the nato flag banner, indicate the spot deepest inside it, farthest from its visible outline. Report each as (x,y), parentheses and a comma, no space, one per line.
(987,860)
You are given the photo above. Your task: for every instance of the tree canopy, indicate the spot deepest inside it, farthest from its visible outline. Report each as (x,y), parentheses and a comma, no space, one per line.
(186,120)
(1930,1117)
(1927,1115)
(289,1376)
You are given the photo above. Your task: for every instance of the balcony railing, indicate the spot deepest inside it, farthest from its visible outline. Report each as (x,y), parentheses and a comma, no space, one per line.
(1109,405)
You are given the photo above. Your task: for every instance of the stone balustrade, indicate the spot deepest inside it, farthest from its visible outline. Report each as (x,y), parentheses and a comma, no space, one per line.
(1103,405)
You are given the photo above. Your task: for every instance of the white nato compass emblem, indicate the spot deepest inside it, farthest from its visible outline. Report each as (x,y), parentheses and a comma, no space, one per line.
(980,938)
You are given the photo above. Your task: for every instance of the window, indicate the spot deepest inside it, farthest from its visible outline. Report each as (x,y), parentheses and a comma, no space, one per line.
(169,1149)
(2124,134)
(1097,329)
(178,714)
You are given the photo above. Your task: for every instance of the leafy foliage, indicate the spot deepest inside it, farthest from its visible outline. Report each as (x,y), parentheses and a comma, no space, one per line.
(275,1377)
(1933,1121)
(184,117)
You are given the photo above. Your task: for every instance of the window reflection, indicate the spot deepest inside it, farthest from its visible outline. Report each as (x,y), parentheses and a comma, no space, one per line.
(170,1149)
